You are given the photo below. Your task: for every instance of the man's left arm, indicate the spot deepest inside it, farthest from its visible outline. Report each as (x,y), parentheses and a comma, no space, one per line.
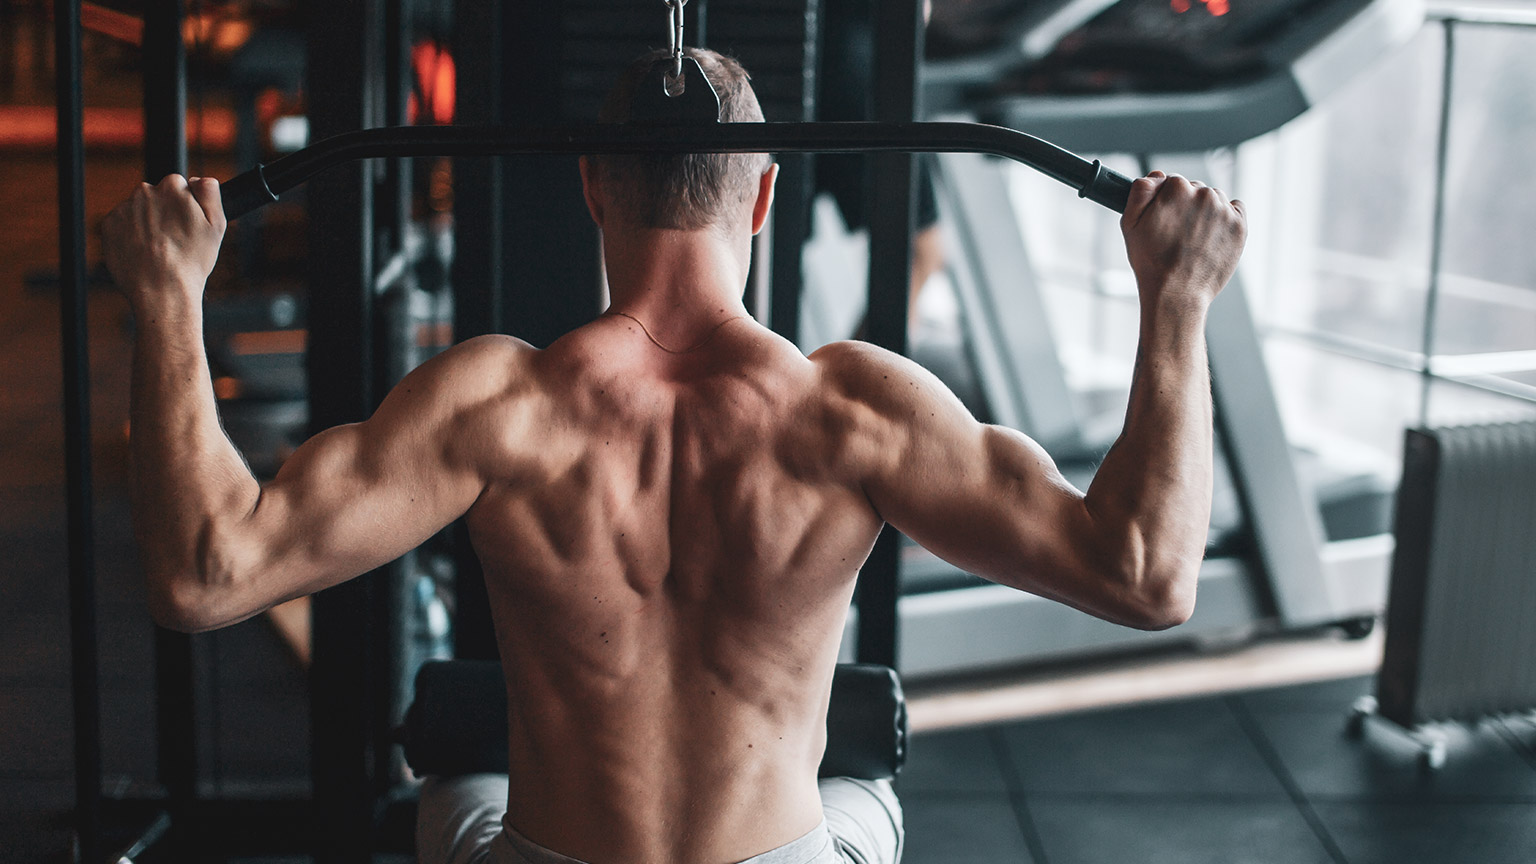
(217,546)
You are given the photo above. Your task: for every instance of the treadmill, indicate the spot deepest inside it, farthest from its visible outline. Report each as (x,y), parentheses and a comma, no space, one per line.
(1296,543)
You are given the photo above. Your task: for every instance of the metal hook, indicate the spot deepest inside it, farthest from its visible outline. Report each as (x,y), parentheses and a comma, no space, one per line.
(676,7)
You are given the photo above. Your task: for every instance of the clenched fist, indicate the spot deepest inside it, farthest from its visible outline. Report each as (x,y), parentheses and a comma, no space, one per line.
(1182,237)
(161,244)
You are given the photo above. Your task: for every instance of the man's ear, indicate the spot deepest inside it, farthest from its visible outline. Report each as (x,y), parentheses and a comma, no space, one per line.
(591,189)
(764,197)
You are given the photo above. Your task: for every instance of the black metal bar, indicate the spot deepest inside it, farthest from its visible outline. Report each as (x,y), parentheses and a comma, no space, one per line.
(8,39)
(554,243)
(1437,229)
(165,153)
(395,341)
(898,26)
(479,229)
(341,70)
(395,200)
(262,185)
(165,91)
(84,669)
(792,210)
(698,28)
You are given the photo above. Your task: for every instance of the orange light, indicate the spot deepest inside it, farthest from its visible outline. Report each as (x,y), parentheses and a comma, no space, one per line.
(1179,6)
(435,69)
(268,342)
(225,387)
(1218,7)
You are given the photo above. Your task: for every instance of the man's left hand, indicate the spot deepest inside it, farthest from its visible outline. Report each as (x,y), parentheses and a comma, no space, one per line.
(162,243)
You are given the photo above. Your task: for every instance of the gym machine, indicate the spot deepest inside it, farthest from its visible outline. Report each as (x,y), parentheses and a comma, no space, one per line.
(1295,545)
(356,222)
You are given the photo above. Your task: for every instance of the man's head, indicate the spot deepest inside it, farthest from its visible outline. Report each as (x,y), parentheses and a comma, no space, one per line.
(688,191)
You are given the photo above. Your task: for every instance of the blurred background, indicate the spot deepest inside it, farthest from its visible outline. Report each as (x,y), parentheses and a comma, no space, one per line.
(1381,148)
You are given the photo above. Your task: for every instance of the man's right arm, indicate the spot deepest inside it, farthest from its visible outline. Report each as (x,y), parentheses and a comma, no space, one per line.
(991,501)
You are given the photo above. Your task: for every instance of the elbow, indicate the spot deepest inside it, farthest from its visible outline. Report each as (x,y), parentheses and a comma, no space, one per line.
(1164,600)
(194,580)
(193,596)
(181,606)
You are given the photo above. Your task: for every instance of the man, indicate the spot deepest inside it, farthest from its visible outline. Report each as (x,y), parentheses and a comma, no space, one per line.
(671,504)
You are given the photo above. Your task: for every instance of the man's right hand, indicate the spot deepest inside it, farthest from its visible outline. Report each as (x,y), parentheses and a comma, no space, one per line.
(1183,238)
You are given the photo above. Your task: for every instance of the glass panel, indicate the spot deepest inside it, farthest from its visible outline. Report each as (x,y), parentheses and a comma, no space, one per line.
(1343,406)
(1087,287)
(1488,282)
(1453,403)
(1350,208)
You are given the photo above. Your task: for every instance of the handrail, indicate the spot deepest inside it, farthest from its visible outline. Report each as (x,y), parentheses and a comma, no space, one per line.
(264,183)
(1505,14)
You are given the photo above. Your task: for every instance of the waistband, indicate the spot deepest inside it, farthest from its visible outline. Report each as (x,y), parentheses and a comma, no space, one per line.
(814,847)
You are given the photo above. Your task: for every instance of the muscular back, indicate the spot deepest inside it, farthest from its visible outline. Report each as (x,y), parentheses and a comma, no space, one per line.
(670,562)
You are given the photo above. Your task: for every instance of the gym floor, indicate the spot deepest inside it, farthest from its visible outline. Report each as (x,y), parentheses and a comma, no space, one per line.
(1261,777)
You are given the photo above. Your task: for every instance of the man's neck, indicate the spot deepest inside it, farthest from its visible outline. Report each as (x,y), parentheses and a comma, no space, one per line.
(678,283)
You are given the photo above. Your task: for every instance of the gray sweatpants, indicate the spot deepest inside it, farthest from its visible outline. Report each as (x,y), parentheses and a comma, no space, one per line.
(460,822)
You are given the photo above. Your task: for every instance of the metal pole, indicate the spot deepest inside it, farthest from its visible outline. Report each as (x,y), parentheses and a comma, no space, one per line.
(77,432)
(8,39)
(341,71)
(395,344)
(898,51)
(395,202)
(792,207)
(165,153)
(1437,238)
(478,295)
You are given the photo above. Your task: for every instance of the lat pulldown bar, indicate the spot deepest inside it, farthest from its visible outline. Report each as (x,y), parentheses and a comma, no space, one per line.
(264,183)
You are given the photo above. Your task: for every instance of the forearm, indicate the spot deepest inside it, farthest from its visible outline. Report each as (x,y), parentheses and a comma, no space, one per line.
(187,480)
(1151,499)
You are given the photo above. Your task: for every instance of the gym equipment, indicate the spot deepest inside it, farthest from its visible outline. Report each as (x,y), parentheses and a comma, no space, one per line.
(458,721)
(672,118)
(1296,543)
(1142,76)
(359,220)
(264,183)
(1461,613)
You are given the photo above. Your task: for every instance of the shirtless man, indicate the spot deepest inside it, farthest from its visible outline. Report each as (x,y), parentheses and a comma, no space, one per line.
(672,504)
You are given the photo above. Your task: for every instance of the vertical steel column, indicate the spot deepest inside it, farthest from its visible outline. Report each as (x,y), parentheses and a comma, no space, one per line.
(898,51)
(698,23)
(165,153)
(478,226)
(1437,230)
(7,38)
(555,242)
(395,203)
(792,202)
(80,529)
(341,72)
(395,344)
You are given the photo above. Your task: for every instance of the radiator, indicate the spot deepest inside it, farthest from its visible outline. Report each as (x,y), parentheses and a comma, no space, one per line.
(1461,610)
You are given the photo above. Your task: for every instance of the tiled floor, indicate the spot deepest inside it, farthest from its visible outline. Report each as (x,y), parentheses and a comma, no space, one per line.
(1265,777)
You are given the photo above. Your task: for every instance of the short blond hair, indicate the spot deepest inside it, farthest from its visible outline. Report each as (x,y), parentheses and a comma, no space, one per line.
(684,191)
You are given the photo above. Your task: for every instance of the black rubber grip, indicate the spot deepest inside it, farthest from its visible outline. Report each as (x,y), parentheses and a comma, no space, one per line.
(458,721)
(1109,188)
(245,192)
